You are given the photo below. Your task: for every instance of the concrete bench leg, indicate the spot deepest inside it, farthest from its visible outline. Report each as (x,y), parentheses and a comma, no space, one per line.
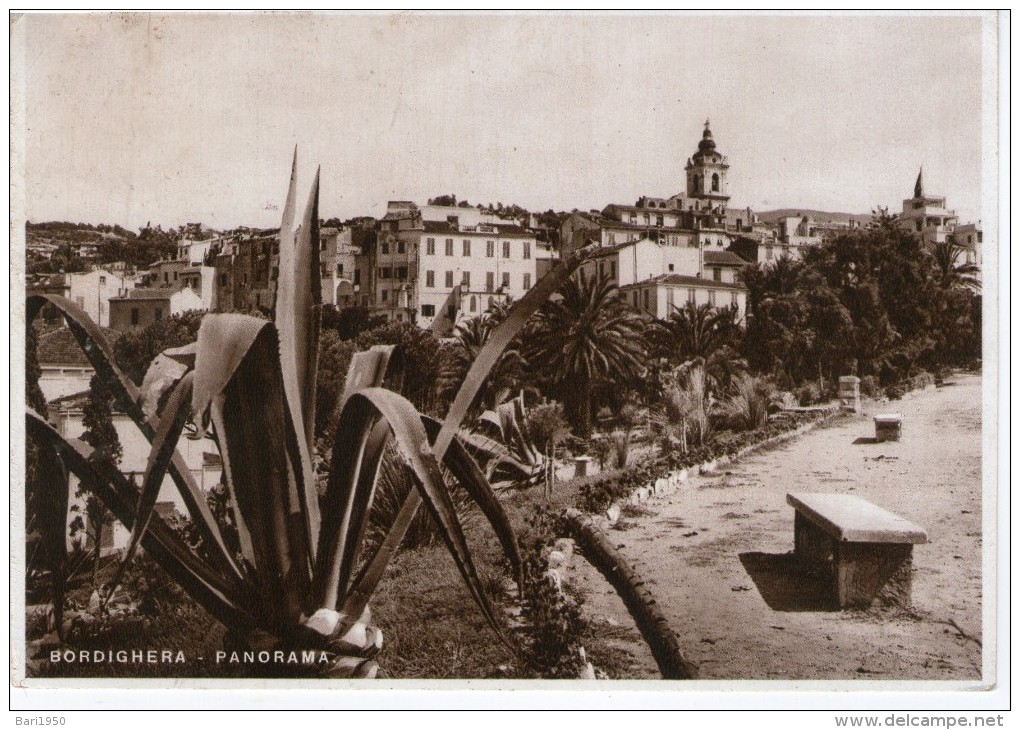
(858,572)
(866,571)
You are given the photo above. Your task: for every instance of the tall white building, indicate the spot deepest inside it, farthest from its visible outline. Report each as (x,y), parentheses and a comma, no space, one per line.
(438,265)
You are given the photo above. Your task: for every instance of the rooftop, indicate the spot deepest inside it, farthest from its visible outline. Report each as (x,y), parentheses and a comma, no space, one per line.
(723,258)
(59,347)
(683,280)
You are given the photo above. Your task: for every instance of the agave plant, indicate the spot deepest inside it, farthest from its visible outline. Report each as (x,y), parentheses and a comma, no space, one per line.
(301,580)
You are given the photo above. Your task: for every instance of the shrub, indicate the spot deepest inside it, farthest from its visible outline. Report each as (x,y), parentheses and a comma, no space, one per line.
(869,386)
(808,394)
(747,408)
(553,625)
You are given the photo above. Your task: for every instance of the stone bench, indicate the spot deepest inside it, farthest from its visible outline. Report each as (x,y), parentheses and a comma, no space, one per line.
(862,551)
(888,427)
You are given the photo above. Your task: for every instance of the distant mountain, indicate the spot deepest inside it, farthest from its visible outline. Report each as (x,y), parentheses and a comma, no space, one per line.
(819,216)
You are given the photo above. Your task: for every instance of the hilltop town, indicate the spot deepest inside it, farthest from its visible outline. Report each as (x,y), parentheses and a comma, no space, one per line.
(440,262)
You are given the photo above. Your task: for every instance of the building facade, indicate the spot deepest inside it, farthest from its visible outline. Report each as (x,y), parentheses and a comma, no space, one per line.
(143,307)
(436,273)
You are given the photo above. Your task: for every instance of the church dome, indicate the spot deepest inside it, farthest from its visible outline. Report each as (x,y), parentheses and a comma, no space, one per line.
(707,144)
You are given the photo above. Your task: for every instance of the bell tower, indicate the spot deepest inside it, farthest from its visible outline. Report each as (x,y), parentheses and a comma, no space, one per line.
(706,181)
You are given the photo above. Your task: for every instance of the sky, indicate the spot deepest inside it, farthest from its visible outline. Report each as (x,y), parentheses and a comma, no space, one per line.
(173,119)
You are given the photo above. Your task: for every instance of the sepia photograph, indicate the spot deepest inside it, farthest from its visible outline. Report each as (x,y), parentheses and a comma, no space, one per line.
(629,349)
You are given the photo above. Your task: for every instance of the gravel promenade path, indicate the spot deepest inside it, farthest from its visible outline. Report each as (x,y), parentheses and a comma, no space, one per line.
(717,554)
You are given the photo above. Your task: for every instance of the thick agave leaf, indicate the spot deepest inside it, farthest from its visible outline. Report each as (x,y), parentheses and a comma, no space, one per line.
(354,473)
(163,447)
(161,376)
(90,338)
(368,369)
(222,597)
(237,372)
(412,444)
(297,314)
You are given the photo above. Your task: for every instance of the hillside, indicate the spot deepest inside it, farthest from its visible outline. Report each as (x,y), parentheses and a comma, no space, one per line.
(58,246)
(821,216)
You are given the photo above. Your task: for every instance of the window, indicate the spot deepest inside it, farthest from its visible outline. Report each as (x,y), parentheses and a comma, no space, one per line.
(715,182)
(527,249)
(690,296)
(448,280)
(449,247)
(506,279)
(646,218)
(401,247)
(711,298)
(671,267)
(612,270)
(527,282)
(647,308)
(428,310)
(134,315)
(175,276)
(716,273)
(506,249)
(102,281)
(158,314)
(465,279)
(490,281)
(473,304)
(385,248)
(658,220)
(339,269)
(400,316)
(669,300)
(719,241)
(768,253)
(635,297)
(166,278)
(633,218)
(430,280)
(357,276)
(385,296)
(384,272)
(401,272)
(223,279)
(490,249)
(733,298)
(430,246)
(467,247)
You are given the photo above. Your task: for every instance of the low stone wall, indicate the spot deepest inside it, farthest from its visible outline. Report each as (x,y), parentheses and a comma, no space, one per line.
(669,484)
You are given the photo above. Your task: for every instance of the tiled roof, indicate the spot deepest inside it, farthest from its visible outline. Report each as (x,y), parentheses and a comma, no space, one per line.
(723,258)
(682,280)
(58,347)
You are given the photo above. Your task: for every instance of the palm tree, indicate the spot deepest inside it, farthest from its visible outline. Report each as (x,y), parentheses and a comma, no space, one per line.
(469,337)
(586,336)
(697,331)
(950,273)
